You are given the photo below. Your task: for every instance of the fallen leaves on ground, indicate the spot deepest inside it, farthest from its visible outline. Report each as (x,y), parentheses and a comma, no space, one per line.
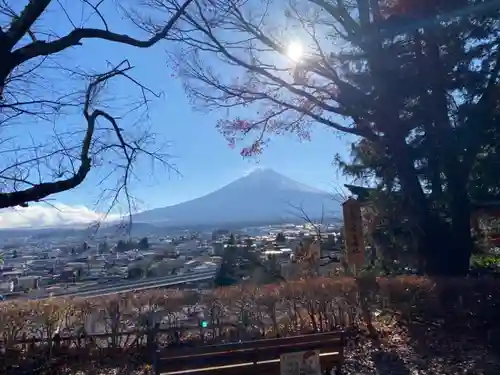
(422,351)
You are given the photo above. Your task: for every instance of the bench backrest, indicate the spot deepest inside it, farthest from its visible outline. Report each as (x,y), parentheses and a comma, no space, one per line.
(258,355)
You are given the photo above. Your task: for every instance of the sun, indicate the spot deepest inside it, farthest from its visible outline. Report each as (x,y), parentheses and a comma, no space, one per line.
(295,51)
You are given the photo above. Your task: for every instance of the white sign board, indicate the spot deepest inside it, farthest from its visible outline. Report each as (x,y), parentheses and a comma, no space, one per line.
(300,363)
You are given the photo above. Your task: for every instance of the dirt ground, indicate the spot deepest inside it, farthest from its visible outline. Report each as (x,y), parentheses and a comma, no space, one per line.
(398,352)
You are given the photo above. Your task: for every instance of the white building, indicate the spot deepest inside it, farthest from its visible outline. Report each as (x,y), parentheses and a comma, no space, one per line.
(7,286)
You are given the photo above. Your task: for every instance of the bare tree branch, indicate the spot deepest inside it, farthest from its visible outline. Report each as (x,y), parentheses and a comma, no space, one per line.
(75,37)
(22,24)
(316,224)
(40,191)
(38,88)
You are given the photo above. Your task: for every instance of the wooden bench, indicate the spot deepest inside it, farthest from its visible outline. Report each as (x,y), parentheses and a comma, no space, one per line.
(251,357)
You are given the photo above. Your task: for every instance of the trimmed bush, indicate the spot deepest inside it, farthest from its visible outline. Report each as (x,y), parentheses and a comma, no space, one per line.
(97,328)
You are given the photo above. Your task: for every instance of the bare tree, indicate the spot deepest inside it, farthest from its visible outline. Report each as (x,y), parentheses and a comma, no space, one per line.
(41,86)
(317,224)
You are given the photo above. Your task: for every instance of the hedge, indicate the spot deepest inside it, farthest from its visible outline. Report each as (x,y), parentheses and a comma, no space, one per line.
(130,323)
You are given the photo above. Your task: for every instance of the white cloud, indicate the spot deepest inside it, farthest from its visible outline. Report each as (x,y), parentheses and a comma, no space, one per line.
(44,215)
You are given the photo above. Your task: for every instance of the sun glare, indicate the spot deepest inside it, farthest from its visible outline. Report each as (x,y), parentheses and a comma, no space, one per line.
(295,51)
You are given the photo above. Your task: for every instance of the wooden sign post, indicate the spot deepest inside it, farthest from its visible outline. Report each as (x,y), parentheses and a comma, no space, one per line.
(300,363)
(353,234)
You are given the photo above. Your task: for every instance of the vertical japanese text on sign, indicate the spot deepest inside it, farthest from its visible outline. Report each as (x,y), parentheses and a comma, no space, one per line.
(353,229)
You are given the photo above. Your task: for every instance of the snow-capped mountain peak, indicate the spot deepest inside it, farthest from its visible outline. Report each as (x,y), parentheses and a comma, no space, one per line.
(263,195)
(267,177)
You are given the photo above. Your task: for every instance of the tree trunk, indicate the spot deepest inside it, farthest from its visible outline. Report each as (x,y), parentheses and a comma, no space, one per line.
(460,214)
(5,68)
(458,244)
(444,248)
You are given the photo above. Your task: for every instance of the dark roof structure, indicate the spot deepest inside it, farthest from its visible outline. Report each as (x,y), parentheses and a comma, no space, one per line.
(362,193)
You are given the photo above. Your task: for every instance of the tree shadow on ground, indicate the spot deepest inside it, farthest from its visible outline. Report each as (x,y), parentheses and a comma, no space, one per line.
(389,363)
(453,324)
(464,351)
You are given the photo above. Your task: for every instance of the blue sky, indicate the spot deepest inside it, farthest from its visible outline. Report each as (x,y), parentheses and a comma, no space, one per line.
(200,153)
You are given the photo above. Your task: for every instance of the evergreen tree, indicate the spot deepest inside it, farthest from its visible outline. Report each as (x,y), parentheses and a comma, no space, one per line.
(121,246)
(144,243)
(226,274)
(280,238)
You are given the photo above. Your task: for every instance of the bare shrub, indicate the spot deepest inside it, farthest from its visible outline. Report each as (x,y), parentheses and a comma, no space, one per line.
(131,322)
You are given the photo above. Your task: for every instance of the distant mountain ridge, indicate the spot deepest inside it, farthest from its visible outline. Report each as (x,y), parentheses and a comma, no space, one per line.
(261,196)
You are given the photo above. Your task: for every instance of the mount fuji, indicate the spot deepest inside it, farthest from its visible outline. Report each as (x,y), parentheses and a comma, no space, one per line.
(262,196)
